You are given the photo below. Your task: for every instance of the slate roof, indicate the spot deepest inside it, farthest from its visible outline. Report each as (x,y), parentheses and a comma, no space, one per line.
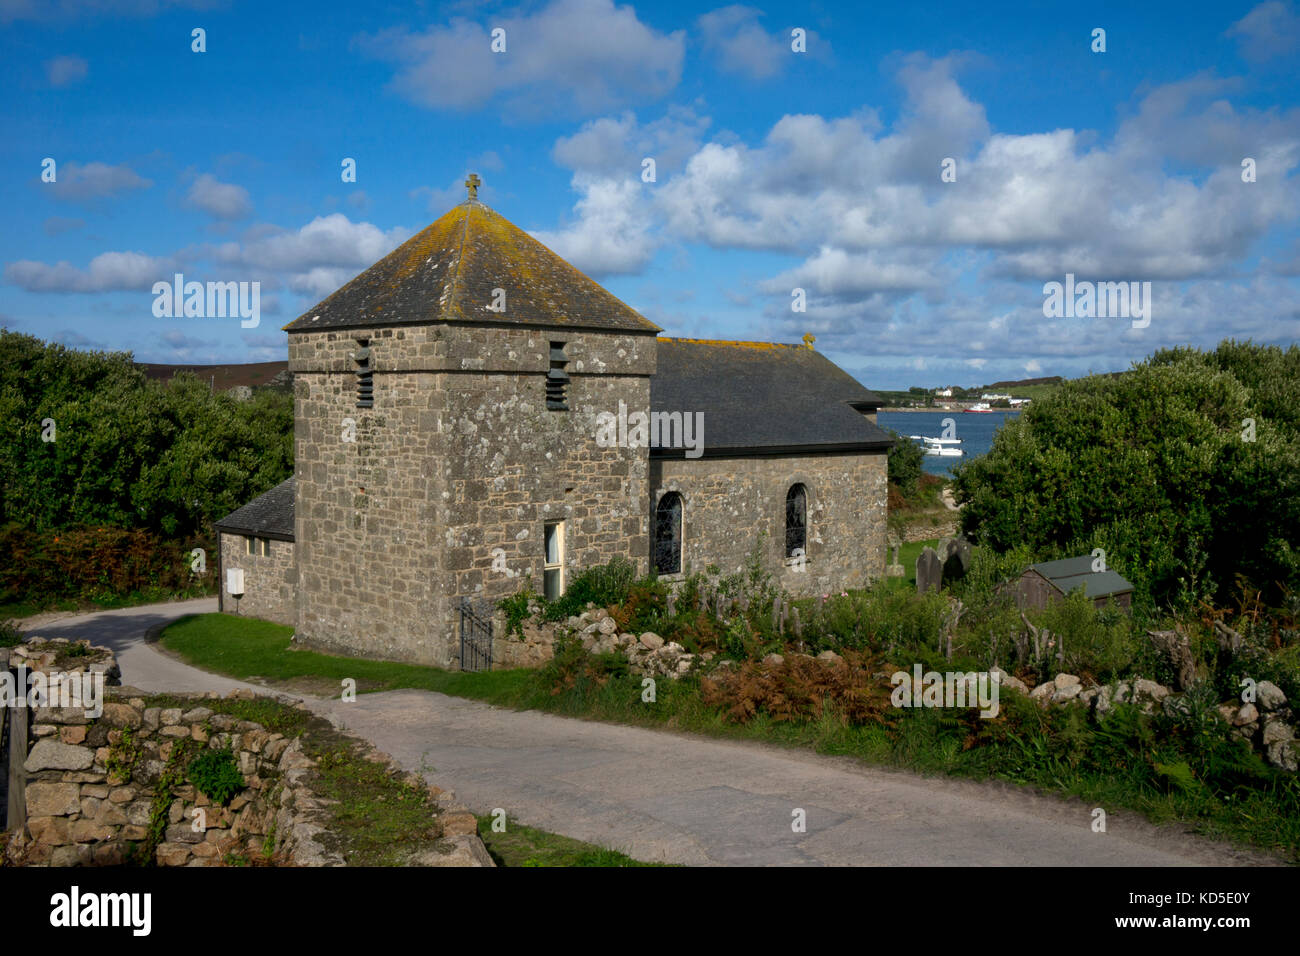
(266,516)
(448,273)
(1068,574)
(763,397)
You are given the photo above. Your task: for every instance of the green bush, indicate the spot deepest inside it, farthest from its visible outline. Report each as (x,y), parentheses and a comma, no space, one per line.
(1157,467)
(215,773)
(904,463)
(10,636)
(602,585)
(1094,642)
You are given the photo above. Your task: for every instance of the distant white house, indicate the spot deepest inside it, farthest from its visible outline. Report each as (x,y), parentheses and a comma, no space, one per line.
(990,397)
(943,393)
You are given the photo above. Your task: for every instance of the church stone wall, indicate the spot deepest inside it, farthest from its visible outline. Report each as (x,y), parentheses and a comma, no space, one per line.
(732,505)
(270,581)
(513,465)
(363,515)
(458,457)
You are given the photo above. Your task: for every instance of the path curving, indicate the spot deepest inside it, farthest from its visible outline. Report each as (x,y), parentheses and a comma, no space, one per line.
(664,796)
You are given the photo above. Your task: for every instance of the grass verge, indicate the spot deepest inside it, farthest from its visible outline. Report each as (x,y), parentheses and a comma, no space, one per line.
(1050,750)
(527,846)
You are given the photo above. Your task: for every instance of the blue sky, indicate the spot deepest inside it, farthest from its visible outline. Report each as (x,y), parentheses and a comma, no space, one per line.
(775,170)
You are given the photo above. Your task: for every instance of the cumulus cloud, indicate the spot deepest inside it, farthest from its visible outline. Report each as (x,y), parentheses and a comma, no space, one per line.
(588,54)
(313,260)
(1040,202)
(65,70)
(107,272)
(615,146)
(1270,30)
(218,199)
(317,258)
(79,182)
(741,45)
(612,233)
(891,255)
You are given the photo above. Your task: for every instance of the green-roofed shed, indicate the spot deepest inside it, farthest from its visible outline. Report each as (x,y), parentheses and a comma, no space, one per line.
(1052,580)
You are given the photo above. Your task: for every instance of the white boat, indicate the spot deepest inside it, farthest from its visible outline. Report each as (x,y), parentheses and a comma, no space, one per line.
(984,407)
(940,447)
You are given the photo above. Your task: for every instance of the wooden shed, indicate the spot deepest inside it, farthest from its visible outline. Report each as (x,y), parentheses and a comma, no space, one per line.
(1053,580)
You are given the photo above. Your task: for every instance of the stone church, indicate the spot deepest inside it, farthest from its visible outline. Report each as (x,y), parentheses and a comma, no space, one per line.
(472,411)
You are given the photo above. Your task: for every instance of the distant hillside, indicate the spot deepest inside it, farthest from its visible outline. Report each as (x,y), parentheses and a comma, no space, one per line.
(224,377)
(1050,380)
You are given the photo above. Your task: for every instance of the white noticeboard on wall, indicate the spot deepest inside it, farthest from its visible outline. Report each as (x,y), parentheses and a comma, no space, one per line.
(234,581)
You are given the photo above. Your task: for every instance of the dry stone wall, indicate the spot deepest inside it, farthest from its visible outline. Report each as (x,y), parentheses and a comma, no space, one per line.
(109,788)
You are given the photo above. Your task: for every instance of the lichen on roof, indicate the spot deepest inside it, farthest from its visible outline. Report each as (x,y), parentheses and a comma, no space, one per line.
(731,342)
(451,271)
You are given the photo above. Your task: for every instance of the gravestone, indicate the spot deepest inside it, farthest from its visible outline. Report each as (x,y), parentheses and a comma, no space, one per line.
(956,560)
(929,571)
(894,569)
(941,549)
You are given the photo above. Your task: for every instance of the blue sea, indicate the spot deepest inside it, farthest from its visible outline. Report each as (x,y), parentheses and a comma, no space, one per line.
(975,431)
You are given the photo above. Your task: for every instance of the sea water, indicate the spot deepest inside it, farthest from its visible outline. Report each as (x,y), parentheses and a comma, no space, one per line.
(975,430)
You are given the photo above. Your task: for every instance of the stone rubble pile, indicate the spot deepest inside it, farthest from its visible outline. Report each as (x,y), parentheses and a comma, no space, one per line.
(1268,724)
(42,653)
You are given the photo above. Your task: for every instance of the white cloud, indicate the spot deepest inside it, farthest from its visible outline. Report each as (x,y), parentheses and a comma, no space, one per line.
(218,199)
(612,234)
(741,45)
(313,260)
(588,54)
(839,274)
(65,70)
(1269,30)
(107,272)
(615,146)
(78,182)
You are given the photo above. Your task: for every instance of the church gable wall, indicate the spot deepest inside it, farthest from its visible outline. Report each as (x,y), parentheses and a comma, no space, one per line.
(731,505)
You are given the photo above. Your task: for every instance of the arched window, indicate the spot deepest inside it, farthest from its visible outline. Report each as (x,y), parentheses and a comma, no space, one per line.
(668,534)
(796,521)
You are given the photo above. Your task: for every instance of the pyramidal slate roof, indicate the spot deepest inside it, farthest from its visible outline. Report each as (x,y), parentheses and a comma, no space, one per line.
(1069,573)
(764,397)
(448,272)
(266,516)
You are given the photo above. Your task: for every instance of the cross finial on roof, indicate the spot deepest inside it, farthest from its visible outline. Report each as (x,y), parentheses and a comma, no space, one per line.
(473,182)
(808,340)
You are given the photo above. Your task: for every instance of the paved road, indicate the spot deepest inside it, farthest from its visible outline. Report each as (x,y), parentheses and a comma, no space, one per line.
(671,797)
(142,664)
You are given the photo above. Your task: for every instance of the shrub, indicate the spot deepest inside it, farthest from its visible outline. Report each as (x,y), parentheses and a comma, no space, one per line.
(1095,642)
(1152,467)
(800,689)
(904,464)
(603,585)
(215,773)
(10,636)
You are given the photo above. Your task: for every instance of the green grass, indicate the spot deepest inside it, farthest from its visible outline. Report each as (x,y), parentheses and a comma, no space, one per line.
(246,647)
(907,556)
(527,846)
(378,819)
(920,740)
